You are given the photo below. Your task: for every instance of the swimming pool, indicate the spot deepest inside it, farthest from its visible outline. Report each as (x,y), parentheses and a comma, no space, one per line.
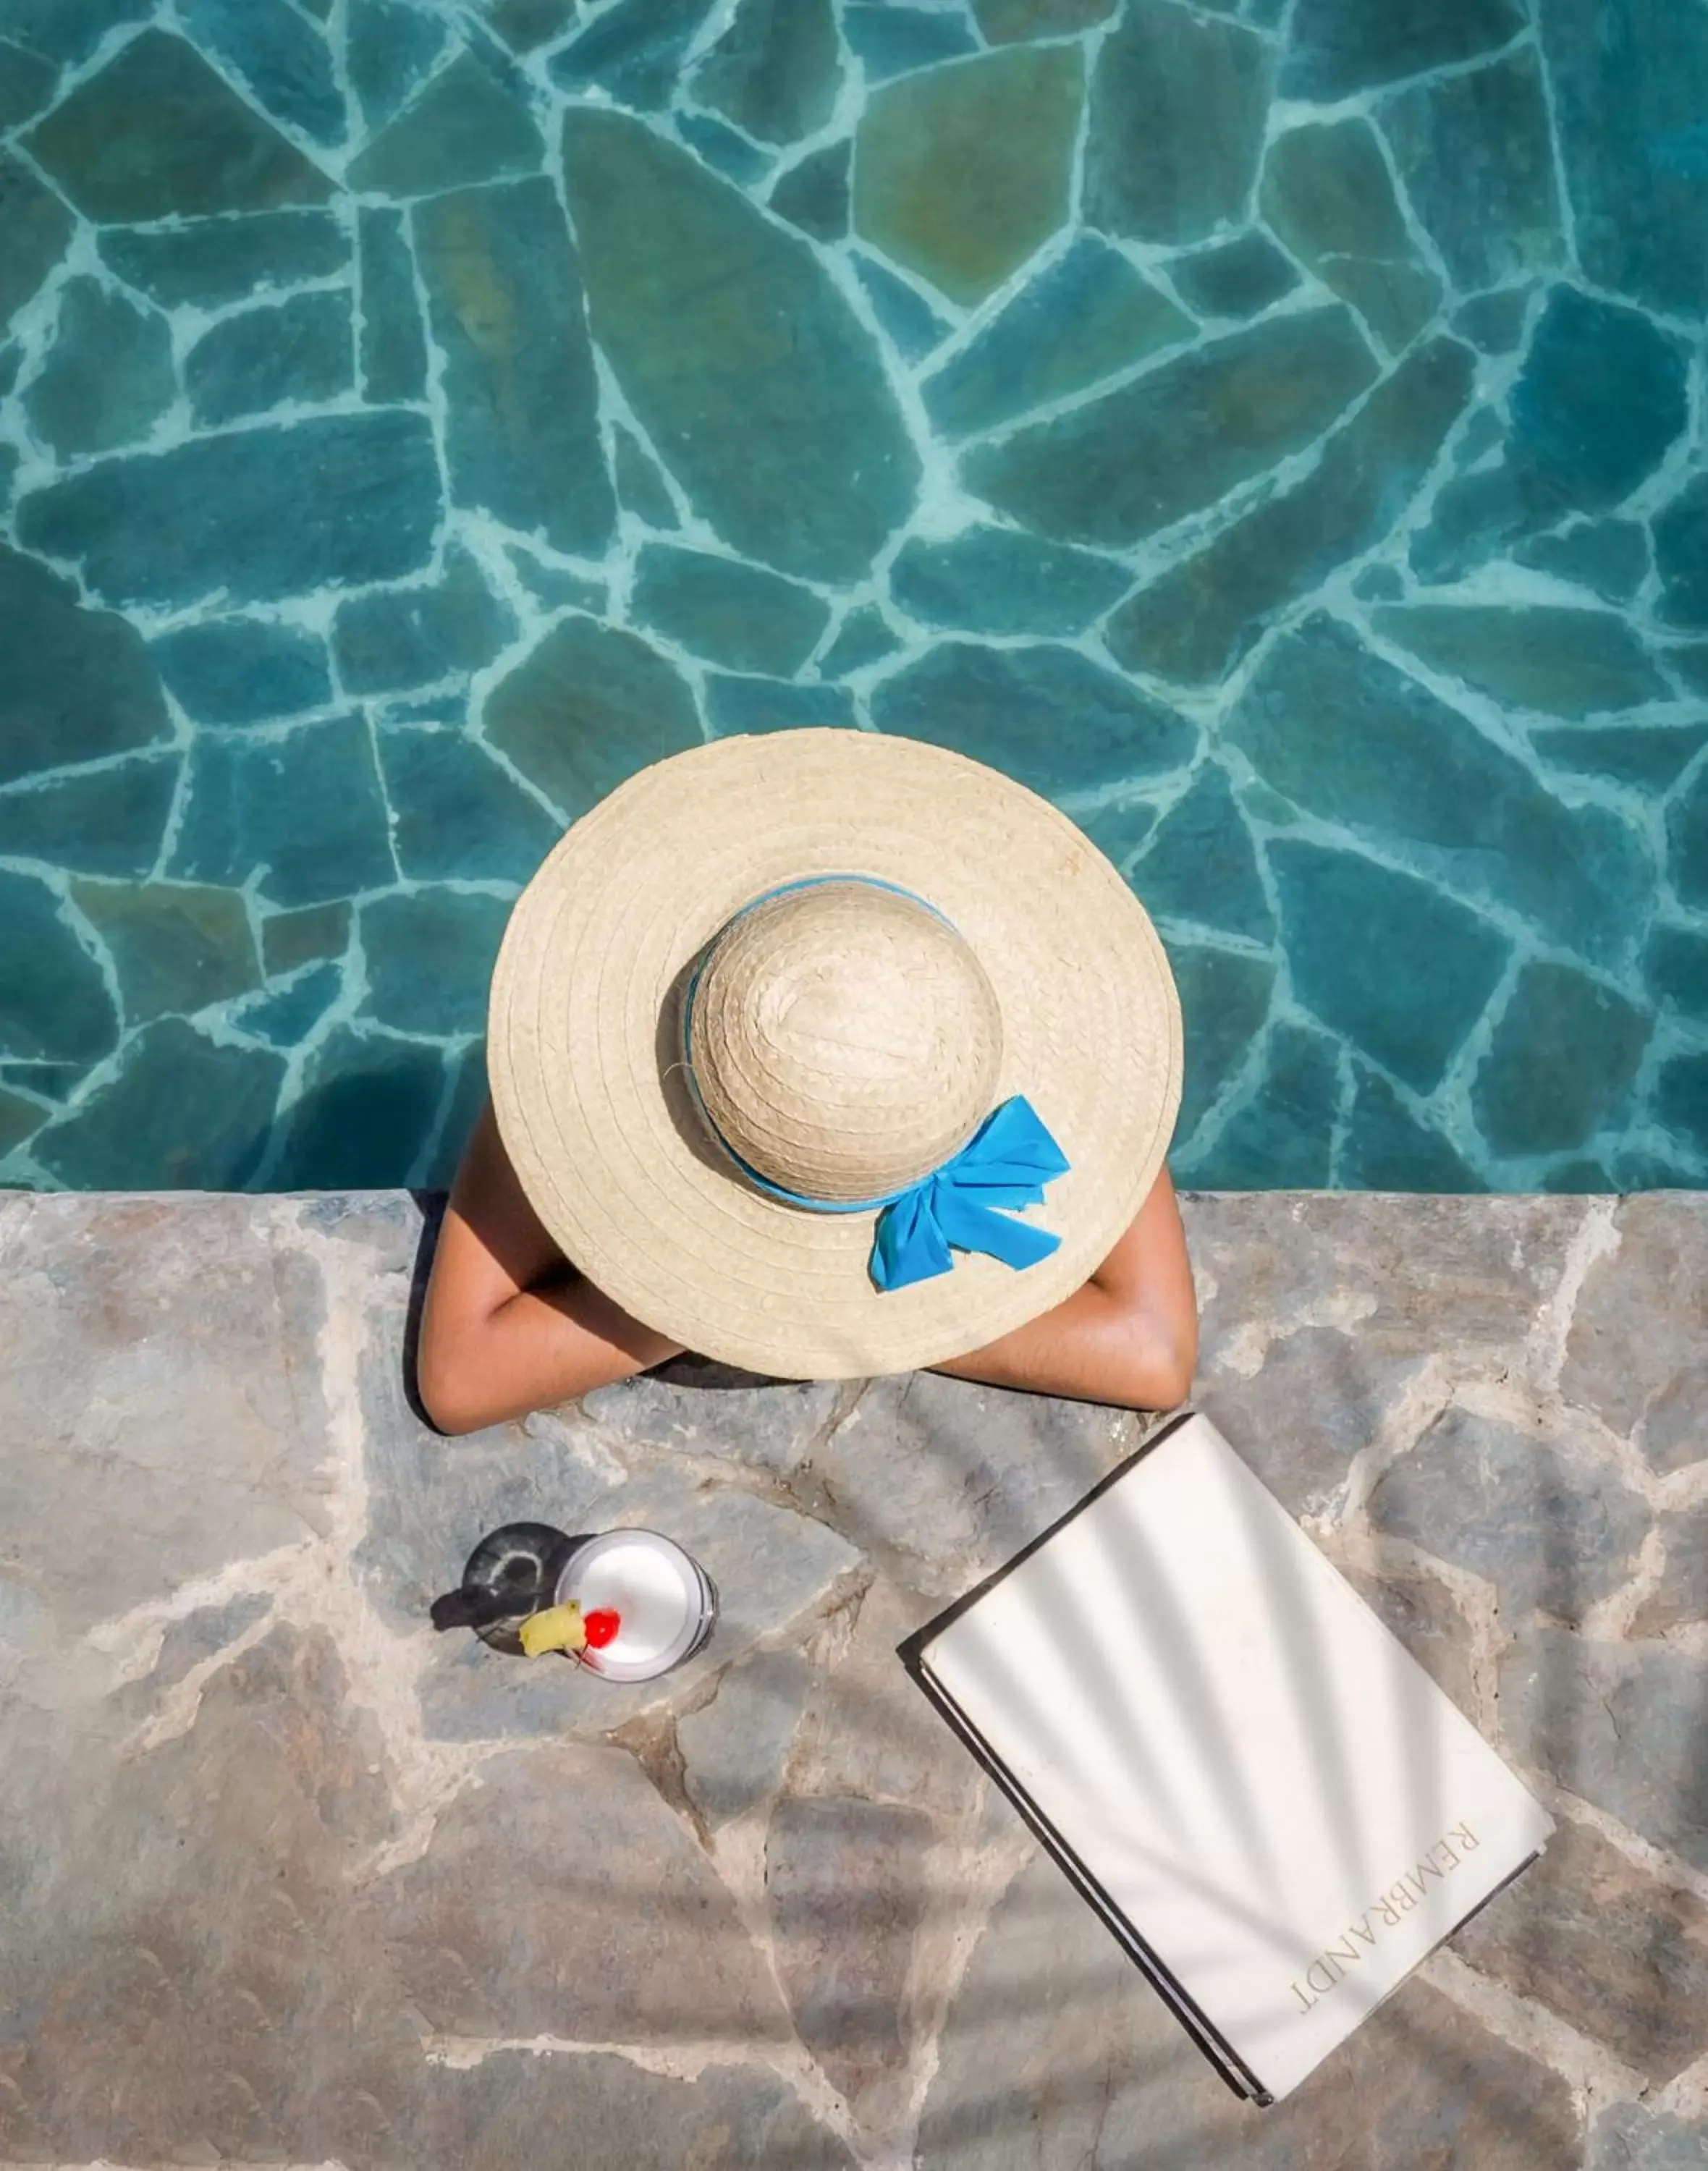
(1272,431)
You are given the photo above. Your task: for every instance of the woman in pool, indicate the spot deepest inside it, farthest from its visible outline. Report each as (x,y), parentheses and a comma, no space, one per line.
(787,1038)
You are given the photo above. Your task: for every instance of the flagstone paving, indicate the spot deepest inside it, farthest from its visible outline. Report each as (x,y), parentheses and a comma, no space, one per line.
(1272,431)
(293,1880)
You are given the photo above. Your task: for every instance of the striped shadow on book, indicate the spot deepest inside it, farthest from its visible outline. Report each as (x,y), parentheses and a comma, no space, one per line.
(1267,1798)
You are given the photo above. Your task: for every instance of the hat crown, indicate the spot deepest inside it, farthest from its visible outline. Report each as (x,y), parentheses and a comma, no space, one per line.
(846,1041)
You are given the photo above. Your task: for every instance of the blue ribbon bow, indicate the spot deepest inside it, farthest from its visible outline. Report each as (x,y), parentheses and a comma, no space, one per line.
(1006,1163)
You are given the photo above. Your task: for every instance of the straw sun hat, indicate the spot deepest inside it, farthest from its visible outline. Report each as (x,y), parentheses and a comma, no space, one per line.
(788,1018)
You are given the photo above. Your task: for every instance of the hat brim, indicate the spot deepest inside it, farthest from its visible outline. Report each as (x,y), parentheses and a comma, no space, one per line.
(583,1051)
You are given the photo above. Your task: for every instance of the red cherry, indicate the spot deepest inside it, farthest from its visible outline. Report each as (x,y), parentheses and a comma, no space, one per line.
(602,1625)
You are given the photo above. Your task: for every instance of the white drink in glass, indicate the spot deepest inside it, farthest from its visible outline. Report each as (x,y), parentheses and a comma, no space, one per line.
(664,1600)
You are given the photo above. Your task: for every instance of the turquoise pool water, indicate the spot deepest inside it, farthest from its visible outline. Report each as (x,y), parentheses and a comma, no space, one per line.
(1272,431)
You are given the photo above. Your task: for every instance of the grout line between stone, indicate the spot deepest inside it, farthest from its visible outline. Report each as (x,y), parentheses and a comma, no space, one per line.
(1594,2075)
(1597,1236)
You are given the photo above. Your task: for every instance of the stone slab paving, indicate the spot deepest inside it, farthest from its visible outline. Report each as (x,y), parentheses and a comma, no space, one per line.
(289,1878)
(1269,428)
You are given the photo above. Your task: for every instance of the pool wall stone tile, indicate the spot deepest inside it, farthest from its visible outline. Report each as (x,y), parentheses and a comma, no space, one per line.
(322,1887)
(1274,433)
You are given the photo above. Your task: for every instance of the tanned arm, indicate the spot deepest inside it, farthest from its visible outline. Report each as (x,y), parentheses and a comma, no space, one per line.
(508,1325)
(1129,1337)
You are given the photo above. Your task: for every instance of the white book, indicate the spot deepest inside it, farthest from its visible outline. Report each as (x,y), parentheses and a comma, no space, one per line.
(1268,1800)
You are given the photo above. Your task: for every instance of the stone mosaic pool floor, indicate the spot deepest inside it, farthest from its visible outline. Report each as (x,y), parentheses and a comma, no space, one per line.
(1272,430)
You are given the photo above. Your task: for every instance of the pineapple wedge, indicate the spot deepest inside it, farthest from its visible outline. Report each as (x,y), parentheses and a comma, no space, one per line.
(558,1628)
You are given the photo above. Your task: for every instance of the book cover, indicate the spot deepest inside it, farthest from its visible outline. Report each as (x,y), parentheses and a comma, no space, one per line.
(1269,1801)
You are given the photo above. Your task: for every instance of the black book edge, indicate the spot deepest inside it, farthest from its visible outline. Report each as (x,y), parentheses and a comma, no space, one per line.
(1203,2032)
